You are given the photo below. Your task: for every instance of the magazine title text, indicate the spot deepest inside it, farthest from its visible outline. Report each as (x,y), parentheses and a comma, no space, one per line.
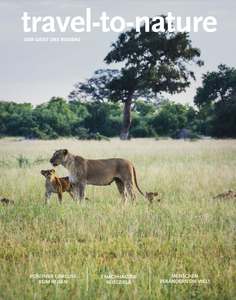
(117,23)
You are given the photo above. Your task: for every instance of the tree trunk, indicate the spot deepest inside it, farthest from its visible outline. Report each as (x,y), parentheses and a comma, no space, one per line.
(127,117)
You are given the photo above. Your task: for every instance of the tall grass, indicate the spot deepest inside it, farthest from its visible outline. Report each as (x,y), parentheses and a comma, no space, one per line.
(190,233)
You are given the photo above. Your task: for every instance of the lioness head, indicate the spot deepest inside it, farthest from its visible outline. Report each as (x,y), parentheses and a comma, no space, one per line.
(48,173)
(59,157)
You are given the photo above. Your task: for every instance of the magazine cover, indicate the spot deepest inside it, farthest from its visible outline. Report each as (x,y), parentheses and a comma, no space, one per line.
(117,149)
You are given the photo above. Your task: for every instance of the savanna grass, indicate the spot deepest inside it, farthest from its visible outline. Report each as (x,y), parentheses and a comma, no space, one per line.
(190,233)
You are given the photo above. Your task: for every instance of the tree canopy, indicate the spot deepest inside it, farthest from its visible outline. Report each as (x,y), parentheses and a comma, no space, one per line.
(219,90)
(217,86)
(94,88)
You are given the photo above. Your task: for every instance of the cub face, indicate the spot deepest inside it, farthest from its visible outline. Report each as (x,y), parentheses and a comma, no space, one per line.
(48,173)
(59,157)
(151,196)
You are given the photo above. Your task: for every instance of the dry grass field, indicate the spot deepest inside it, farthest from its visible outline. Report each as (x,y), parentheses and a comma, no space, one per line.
(98,245)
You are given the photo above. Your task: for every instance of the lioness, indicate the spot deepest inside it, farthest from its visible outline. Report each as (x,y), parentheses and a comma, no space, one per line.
(57,185)
(100,172)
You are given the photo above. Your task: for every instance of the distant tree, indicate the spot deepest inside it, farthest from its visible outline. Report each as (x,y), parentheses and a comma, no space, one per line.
(171,118)
(218,96)
(16,119)
(156,100)
(206,111)
(2,126)
(217,86)
(80,108)
(55,116)
(94,88)
(142,108)
(154,61)
(223,121)
(104,118)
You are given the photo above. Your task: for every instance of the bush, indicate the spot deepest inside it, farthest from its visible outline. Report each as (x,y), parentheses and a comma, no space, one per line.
(22,161)
(25,162)
(162,138)
(94,136)
(46,134)
(39,159)
(81,131)
(193,139)
(143,131)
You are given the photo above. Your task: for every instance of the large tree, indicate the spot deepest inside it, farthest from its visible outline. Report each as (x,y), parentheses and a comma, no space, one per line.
(154,61)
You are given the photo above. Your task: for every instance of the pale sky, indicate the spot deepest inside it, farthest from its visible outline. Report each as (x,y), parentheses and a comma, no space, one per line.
(36,71)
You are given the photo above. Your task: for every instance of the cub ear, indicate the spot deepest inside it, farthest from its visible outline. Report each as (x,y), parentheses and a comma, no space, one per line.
(65,152)
(156,193)
(42,172)
(53,171)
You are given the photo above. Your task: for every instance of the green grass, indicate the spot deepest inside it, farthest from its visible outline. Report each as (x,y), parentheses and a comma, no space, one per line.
(190,233)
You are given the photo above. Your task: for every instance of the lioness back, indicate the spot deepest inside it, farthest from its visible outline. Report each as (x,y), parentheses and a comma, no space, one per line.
(104,171)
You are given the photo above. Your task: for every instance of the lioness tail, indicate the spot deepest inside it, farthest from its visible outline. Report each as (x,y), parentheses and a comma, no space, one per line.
(135,179)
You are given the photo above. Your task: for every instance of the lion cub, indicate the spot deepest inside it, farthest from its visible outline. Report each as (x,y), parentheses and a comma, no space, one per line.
(56,185)
(150,197)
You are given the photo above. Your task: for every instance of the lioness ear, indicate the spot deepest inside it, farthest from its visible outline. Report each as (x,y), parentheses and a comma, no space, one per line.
(65,152)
